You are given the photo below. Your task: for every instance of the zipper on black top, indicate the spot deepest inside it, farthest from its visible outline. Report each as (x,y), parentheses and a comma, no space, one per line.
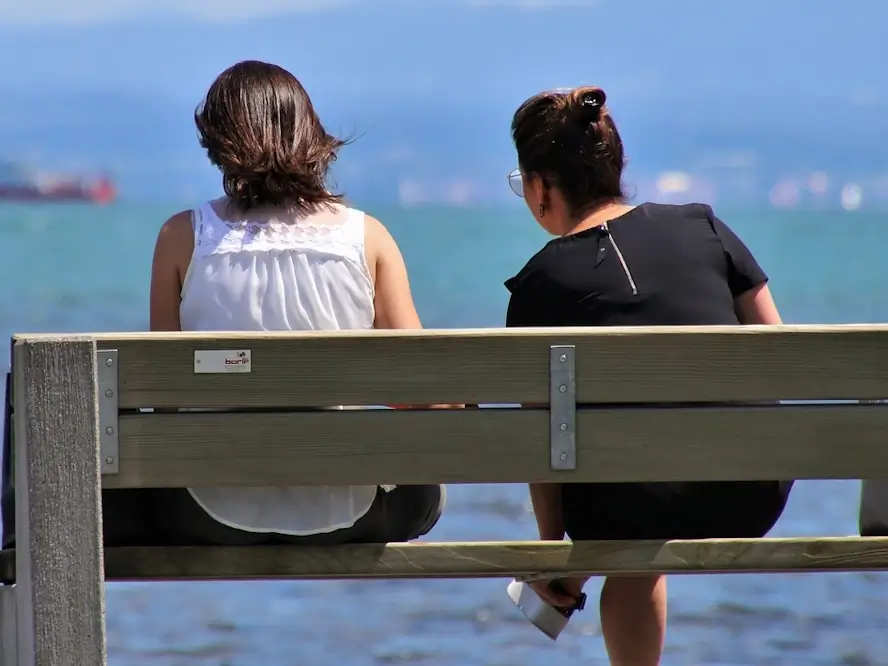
(621,258)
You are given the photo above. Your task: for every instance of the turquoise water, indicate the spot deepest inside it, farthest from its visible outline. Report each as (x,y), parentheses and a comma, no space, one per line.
(86,269)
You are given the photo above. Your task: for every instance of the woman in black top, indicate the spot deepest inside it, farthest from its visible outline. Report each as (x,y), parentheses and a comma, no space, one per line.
(618,265)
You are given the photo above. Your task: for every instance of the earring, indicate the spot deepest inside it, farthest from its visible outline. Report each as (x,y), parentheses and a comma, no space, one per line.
(542,209)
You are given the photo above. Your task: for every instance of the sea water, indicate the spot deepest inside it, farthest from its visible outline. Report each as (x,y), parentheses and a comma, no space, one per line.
(80,268)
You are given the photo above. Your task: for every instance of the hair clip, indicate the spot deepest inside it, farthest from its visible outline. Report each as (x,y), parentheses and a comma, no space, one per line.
(591,105)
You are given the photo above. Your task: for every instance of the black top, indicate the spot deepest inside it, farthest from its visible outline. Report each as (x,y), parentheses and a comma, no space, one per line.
(656,265)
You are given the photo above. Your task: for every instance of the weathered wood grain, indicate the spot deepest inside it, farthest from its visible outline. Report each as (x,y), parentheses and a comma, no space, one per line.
(493,559)
(614,365)
(8,634)
(501,446)
(59,593)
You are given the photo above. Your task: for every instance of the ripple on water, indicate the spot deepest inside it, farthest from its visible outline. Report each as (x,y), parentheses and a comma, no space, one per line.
(58,279)
(714,620)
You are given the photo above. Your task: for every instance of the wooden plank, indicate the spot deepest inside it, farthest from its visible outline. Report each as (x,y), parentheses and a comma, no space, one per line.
(614,365)
(8,638)
(494,559)
(60,597)
(501,446)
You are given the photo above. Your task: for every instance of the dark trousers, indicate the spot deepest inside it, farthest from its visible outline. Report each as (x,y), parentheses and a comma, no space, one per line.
(171,517)
(697,510)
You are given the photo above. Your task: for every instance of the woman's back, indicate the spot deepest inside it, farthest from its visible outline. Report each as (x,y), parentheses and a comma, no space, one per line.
(656,265)
(281,272)
(280,252)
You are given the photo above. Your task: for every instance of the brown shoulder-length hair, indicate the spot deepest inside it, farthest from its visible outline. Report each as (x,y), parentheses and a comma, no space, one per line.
(569,139)
(260,129)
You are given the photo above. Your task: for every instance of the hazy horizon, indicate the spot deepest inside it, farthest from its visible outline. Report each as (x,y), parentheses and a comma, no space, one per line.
(745,98)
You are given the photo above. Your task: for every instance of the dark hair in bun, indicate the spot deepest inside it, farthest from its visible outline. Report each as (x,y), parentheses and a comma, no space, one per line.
(569,138)
(586,103)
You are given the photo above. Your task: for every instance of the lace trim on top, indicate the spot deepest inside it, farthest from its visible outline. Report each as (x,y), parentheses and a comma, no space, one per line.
(213,235)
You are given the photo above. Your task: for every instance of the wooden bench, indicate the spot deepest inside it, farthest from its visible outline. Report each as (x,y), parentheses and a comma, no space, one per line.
(608,405)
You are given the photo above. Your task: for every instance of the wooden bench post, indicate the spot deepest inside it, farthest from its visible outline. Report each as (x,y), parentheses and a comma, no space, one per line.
(59,591)
(8,641)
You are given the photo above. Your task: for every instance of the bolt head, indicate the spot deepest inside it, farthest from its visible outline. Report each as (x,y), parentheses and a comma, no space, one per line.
(109,362)
(563,358)
(562,388)
(109,430)
(563,426)
(563,456)
(109,393)
(109,460)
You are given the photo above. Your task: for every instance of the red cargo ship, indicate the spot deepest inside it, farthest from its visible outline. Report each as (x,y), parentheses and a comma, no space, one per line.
(24,185)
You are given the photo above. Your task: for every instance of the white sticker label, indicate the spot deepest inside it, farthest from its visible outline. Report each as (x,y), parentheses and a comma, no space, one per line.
(217,361)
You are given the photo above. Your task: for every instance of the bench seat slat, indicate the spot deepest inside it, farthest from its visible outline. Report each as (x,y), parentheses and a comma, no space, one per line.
(490,560)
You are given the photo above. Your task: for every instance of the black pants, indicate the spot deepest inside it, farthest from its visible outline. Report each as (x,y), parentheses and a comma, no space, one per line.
(697,510)
(171,517)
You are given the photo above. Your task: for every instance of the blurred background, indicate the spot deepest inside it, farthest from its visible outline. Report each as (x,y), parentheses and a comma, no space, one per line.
(751,102)
(775,112)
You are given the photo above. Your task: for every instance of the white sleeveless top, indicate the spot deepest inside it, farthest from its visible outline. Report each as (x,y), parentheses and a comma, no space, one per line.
(305,273)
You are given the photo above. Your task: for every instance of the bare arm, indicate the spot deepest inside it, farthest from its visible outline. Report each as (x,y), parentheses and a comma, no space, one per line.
(393,301)
(547,508)
(175,241)
(748,282)
(757,306)
(529,308)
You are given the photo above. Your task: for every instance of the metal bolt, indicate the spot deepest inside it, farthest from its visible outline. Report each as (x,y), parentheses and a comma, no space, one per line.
(109,393)
(109,362)
(563,388)
(109,460)
(109,430)
(563,426)
(563,358)
(563,456)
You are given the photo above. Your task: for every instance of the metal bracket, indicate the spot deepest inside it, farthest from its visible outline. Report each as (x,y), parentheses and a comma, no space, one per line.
(563,407)
(109,443)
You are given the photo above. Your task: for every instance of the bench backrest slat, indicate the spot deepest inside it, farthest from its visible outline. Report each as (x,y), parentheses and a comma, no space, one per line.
(501,446)
(633,389)
(631,365)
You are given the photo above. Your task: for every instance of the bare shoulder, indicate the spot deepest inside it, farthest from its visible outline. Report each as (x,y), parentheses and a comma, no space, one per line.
(377,237)
(375,229)
(175,240)
(177,226)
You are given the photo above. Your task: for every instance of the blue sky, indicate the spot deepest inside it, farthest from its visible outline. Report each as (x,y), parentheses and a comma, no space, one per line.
(68,12)
(430,85)
(645,49)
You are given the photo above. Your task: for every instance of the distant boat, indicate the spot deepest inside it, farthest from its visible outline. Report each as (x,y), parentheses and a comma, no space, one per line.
(20,184)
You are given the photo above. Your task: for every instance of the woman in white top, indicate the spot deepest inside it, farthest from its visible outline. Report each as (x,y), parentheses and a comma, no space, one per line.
(280,252)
